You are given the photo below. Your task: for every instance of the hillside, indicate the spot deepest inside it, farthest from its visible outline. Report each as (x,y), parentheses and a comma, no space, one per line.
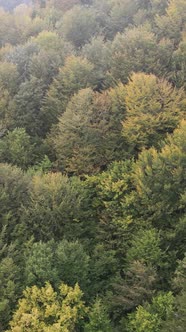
(93,166)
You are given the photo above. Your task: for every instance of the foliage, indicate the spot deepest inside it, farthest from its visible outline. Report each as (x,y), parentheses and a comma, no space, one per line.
(53,208)
(133,51)
(75,75)
(176,322)
(137,286)
(98,319)
(79,25)
(160,179)
(72,263)
(9,284)
(16,148)
(44,309)
(92,165)
(14,187)
(27,106)
(145,246)
(153,108)
(151,318)
(86,139)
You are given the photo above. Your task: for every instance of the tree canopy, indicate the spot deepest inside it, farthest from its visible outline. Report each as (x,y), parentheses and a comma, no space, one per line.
(92,165)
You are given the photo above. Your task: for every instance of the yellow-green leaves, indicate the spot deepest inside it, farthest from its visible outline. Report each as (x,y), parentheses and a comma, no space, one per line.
(44,310)
(153,109)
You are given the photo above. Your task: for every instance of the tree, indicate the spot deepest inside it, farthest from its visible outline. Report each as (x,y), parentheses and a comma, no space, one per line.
(9,285)
(103,268)
(27,106)
(150,317)
(121,16)
(39,264)
(137,287)
(88,135)
(9,77)
(45,38)
(50,262)
(133,51)
(112,204)
(98,52)
(160,181)
(75,140)
(75,75)
(98,319)
(14,190)
(172,23)
(176,321)
(179,280)
(7,106)
(145,246)
(72,263)
(17,149)
(8,30)
(46,63)
(43,309)
(21,56)
(178,73)
(153,109)
(53,209)
(79,25)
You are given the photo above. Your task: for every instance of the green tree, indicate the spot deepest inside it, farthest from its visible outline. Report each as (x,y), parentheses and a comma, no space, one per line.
(179,280)
(72,263)
(14,188)
(9,285)
(160,181)
(98,52)
(46,63)
(39,264)
(9,77)
(88,135)
(8,30)
(133,51)
(44,38)
(121,16)
(75,75)
(150,317)
(178,74)
(145,246)
(172,23)
(98,319)
(16,148)
(21,56)
(27,106)
(112,204)
(53,208)
(177,321)
(66,261)
(103,268)
(7,106)
(79,25)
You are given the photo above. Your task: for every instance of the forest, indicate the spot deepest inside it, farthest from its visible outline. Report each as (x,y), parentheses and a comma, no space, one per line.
(93,166)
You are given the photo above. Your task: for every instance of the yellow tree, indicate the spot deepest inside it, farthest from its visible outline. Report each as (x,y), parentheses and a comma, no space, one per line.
(44,310)
(153,109)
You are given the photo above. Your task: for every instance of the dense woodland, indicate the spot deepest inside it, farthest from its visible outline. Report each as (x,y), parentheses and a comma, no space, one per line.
(93,166)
